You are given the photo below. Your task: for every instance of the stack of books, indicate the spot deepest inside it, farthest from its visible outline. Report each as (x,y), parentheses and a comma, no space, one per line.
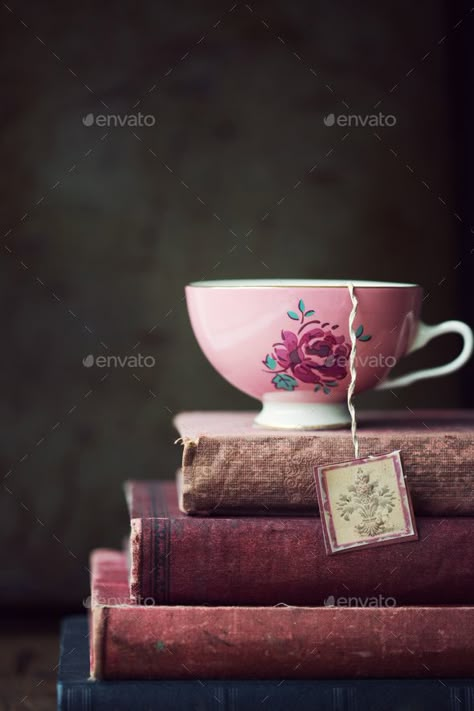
(226,598)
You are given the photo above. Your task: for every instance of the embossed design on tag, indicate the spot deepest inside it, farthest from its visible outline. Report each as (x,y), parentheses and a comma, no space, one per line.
(364,503)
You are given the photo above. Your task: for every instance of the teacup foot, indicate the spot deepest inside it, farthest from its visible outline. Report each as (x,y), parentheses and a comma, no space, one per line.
(284,413)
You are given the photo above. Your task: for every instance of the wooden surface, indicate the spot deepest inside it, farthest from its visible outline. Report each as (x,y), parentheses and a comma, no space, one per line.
(28,664)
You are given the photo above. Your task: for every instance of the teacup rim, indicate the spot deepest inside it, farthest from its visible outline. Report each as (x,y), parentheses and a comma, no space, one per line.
(300,283)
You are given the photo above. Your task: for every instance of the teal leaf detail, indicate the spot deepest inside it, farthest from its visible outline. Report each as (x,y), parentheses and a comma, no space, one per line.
(317,388)
(270,362)
(332,384)
(293,315)
(311,312)
(301,305)
(359,331)
(326,391)
(282,381)
(365,338)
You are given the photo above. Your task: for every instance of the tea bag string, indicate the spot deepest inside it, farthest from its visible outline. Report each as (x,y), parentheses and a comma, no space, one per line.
(352,370)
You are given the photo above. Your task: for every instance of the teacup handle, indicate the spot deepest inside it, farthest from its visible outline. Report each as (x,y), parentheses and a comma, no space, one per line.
(425,334)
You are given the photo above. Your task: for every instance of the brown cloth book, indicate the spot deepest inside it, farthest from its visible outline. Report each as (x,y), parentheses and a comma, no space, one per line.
(231,466)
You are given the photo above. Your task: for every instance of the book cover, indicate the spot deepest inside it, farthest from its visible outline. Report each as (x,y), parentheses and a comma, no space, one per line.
(130,641)
(229,465)
(244,560)
(77,692)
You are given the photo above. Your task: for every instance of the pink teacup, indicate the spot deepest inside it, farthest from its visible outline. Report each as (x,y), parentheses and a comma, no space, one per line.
(287,342)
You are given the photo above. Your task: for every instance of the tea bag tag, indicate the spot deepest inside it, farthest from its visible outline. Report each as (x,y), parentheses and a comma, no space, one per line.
(364,502)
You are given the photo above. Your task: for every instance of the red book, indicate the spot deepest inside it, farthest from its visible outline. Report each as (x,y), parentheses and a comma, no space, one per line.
(155,642)
(179,559)
(231,466)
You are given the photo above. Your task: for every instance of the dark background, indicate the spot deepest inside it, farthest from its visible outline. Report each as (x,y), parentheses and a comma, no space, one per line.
(101,228)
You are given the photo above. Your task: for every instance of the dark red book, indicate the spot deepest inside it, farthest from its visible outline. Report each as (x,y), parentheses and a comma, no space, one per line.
(177,642)
(179,559)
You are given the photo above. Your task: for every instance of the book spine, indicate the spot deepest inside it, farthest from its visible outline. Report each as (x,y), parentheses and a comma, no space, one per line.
(236,475)
(252,561)
(98,634)
(150,569)
(441,695)
(286,643)
(137,578)
(124,696)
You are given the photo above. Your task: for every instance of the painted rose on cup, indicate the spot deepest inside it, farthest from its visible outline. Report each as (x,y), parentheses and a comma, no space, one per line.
(313,353)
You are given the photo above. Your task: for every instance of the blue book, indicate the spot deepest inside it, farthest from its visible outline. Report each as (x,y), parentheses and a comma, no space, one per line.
(77,693)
